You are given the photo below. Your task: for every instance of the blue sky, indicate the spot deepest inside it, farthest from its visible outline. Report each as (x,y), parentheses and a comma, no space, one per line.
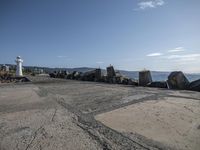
(162,35)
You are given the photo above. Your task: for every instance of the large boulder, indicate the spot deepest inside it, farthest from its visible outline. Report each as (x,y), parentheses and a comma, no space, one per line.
(21,79)
(145,77)
(195,85)
(52,75)
(77,75)
(60,75)
(177,80)
(133,82)
(158,84)
(125,80)
(94,75)
(69,76)
(119,79)
(103,79)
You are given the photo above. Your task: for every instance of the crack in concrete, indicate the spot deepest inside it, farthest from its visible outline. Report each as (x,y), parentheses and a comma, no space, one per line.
(53,116)
(101,133)
(34,136)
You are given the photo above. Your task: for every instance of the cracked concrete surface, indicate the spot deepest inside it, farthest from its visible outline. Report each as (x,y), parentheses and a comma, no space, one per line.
(33,122)
(59,114)
(172,121)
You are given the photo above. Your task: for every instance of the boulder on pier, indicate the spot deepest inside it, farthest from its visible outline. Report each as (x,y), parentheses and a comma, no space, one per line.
(177,80)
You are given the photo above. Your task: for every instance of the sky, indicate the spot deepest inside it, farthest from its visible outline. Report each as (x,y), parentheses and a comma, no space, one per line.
(159,35)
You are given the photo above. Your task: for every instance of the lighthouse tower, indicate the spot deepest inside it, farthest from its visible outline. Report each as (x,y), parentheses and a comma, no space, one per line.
(19,62)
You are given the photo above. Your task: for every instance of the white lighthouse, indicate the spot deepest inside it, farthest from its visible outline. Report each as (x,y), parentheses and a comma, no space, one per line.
(19,62)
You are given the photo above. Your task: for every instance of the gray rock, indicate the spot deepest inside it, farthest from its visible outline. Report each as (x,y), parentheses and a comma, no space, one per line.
(76,75)
(195,85)
(119,79)
(177,80)
(158,84)
(69,76)
(132,82)
(103,78)
(52,75)
(94,75)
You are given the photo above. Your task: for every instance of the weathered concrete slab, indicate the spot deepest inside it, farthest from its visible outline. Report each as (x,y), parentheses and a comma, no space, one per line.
(30,114)
(29,120)
(174,122)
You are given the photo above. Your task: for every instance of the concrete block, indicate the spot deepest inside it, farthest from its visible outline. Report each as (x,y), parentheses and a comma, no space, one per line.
(144,77)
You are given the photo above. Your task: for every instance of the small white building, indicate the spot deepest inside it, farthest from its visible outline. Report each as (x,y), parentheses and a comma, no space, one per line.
(38,71)
(19,62)
(5,68)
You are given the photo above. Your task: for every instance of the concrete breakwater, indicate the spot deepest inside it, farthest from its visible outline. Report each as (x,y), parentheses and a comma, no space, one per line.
(53,113)
(176,79)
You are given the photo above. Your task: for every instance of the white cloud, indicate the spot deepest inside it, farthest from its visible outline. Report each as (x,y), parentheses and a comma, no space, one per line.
(154,54)
(150,4)
(186,62)
(186,56)
(178,49)
(186,59)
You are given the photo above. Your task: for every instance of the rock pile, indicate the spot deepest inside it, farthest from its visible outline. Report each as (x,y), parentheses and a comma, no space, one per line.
(9,78)
(176,80)
(96,75)
(5,77)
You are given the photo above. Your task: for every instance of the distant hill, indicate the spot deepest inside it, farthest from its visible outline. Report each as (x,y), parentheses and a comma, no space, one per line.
(156,75)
